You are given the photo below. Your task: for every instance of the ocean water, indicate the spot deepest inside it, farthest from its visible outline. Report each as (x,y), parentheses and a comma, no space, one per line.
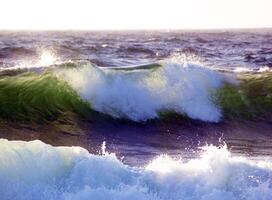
(35,170)
(136,115)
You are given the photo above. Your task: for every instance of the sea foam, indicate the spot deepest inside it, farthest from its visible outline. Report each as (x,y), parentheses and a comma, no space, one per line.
(35,170)
(140,95)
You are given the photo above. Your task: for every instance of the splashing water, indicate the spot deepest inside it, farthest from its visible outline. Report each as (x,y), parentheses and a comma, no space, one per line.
(44,59)
(34,170)
(142,94)
(103,148)
(47,58)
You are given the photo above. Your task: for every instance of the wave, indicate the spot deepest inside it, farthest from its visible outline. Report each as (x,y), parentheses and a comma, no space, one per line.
(137,93)
(250,99)
(136,49)
(37,97)
(35,170)
(11,52)
(140,95)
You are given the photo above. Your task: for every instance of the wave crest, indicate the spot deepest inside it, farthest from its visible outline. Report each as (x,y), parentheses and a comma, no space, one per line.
(34,170)
(141,94)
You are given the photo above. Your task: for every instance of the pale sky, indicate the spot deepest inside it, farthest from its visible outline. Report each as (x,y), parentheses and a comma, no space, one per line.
(134,14)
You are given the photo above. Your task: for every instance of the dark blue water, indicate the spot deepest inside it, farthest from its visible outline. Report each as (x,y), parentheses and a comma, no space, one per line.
(227,49)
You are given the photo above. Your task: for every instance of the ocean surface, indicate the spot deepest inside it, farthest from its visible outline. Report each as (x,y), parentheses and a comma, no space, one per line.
(136,115)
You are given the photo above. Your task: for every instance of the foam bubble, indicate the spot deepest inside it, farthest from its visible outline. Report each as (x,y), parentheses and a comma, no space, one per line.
(46,58)
(264,69)
(246,69)
(34,170)
(140,95)
(242,70)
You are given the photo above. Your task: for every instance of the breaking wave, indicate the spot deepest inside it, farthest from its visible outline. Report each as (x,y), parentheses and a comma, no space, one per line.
(140,95)
(137,93)
(35,170)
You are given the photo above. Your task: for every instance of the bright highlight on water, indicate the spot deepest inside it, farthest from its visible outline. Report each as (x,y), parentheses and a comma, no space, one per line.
(34,170)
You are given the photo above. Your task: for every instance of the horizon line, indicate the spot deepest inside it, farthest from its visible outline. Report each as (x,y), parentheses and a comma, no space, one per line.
(152,29)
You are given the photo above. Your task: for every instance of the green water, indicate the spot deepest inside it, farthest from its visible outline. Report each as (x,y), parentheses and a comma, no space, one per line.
(250,99)
(38,97)
(42,97)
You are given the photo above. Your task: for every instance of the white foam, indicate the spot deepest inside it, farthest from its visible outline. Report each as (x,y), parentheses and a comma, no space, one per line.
(243,69)
(47,58)
(34,170)
(246,69)
(264,69)
(140,95)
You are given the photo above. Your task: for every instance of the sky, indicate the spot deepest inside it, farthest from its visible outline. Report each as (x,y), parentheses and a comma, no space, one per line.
(134,14)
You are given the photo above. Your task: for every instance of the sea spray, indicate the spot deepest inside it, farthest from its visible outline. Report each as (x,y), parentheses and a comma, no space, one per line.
(34,170)
(140,95)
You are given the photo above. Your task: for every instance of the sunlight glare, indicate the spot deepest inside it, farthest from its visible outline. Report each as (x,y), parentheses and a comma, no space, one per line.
(47,58)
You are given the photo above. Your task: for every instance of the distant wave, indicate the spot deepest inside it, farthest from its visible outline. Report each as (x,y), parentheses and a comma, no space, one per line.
(35,170)
(137,93)
(136,49)
(8,52)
